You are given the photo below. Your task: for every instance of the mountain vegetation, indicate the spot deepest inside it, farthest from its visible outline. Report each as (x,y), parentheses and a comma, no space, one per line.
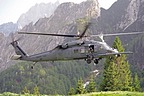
(48,79)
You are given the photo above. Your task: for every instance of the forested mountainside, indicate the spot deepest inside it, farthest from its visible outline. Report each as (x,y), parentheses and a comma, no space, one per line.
(122,16)
(54,78)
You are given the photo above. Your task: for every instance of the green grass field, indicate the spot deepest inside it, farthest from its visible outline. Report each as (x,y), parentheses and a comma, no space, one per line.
(110,93)
(114,93)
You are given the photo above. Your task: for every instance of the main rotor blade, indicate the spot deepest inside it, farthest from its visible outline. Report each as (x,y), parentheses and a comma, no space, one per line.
(86,27)
(37,33)
(118,34)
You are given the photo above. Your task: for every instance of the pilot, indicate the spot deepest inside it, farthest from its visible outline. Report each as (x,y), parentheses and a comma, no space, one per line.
(91,49)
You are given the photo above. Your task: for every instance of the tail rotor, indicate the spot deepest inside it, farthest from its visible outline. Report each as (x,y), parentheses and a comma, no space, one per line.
(18,50)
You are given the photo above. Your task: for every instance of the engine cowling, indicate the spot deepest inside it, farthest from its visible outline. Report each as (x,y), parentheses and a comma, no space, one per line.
(72,43)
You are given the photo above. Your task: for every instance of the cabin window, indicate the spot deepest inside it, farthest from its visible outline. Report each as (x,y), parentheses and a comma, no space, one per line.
(86,49)
(76,50)
(82,50)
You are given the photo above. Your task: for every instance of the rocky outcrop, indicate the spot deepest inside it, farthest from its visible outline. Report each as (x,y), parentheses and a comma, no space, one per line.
(121,14)
(139,22)
(38,11)
(8,28)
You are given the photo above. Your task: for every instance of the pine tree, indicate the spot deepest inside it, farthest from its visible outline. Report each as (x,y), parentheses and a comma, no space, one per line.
(136,83)
(80,87)
(25,90)
(36,91)
(110,76)
(91,86)
(117,75)
(71,91)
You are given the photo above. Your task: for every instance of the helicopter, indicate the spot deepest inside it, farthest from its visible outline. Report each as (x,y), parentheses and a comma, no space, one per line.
(88,50)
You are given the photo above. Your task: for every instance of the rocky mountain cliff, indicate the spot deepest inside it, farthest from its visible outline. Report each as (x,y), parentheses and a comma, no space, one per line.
(121,14)
(8,28)
(37,11)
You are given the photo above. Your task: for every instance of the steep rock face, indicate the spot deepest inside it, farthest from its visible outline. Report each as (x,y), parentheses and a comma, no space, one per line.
(139,22)
(36,12)
(121,14)
(62,21)
(8,28)
(131,15)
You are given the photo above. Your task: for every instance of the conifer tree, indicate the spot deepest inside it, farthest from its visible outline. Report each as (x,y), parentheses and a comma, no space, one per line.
(36,91)
(71,91)
(110,76)
(80,87)
(91,86)
(25,90)
(117,75)
(136,83)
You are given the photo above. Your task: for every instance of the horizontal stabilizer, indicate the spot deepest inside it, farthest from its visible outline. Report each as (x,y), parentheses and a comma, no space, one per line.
(108,54)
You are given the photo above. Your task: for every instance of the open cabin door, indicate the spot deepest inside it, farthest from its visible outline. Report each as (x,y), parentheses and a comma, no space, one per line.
(87,49)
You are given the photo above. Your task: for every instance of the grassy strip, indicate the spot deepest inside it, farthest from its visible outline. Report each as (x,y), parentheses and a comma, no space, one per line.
(108,93)
(113,93)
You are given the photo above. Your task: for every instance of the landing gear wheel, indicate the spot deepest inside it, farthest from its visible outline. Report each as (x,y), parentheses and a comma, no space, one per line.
(96,61)
(88,61)
(32,67)
(118,55)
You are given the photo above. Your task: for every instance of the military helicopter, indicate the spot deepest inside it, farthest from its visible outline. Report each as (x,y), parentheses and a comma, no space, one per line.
(89,50)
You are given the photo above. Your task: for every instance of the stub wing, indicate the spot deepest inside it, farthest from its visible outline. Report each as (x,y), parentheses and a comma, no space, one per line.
(109,54)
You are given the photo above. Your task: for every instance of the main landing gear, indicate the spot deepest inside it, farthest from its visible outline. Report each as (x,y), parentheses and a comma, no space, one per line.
(96,61)
(90,58)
